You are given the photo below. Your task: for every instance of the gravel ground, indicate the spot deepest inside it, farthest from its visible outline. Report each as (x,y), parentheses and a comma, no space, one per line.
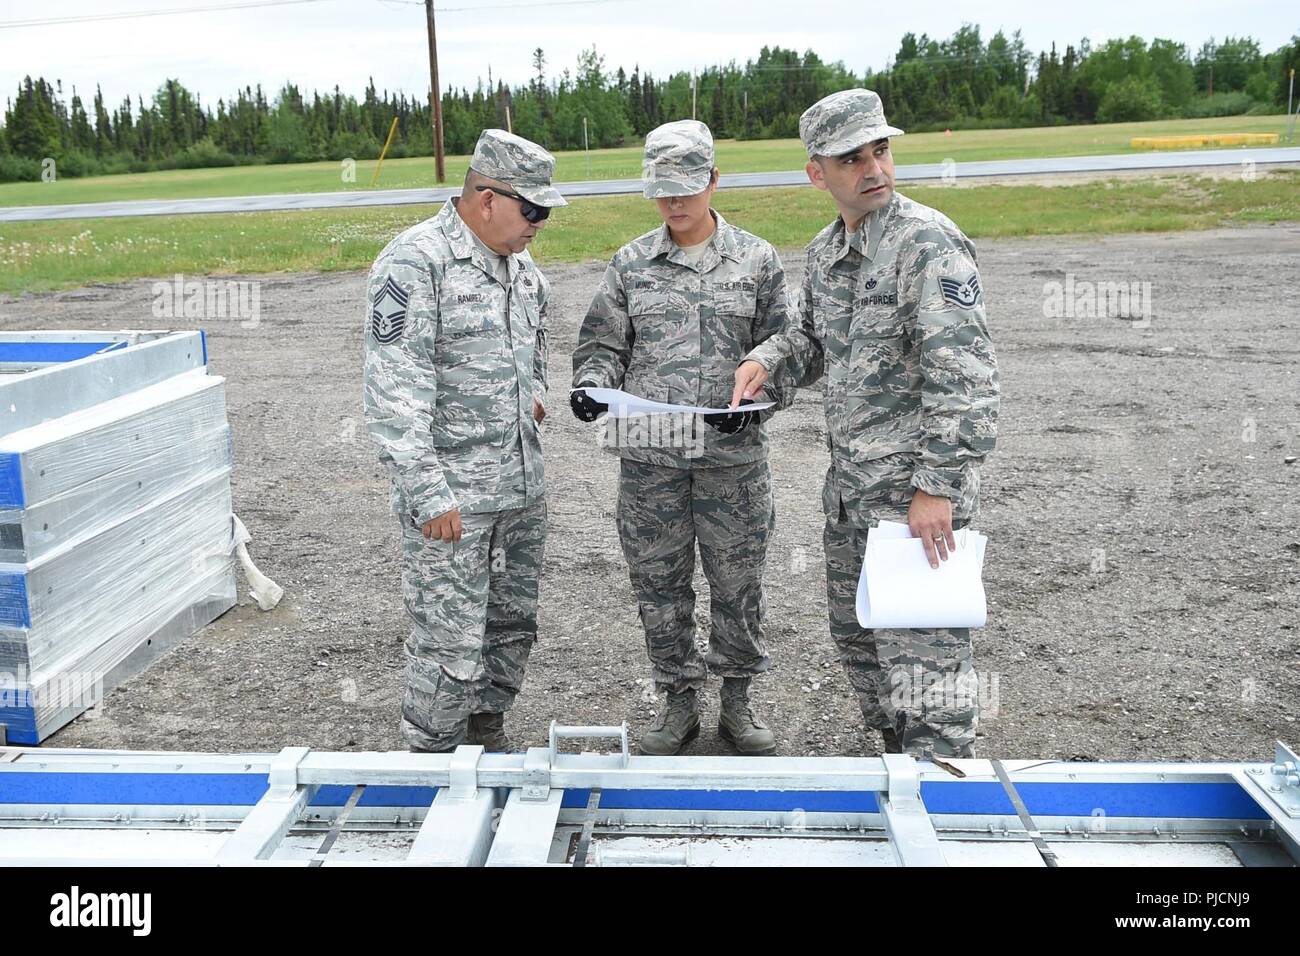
(1142,570)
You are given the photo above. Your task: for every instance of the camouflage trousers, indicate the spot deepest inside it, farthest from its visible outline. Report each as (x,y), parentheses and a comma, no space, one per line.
(921,684)
(473,607)
(662,513)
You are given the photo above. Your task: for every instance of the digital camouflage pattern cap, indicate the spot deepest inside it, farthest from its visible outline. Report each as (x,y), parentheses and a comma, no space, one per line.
(678,160)
(842,122)
(518,163)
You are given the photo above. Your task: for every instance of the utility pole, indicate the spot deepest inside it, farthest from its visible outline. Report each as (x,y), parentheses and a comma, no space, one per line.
(435,98)
(694,84)
(1290,116)
(1211,91)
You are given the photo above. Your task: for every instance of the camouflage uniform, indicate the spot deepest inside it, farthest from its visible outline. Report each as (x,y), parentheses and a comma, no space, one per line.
(892,313)
(669,328)
(455,355)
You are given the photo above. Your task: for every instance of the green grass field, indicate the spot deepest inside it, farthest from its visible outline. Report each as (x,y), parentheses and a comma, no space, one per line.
(733,157)
(37,256)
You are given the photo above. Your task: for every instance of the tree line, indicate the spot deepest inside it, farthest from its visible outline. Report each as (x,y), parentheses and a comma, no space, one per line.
(961,82)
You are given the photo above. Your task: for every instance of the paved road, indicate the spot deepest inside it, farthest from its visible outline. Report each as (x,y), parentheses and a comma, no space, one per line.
(613,187)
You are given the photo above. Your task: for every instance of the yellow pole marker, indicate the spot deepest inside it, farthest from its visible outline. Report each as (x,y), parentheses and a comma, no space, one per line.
(388,142)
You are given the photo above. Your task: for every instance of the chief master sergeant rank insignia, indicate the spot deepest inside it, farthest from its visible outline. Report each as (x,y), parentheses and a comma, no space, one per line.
(388,317)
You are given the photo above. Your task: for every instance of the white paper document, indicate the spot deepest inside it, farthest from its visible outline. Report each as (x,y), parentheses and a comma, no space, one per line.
(898,588)
(624,405)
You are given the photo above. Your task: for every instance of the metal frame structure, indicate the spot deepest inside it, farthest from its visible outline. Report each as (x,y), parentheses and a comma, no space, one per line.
(48,374)
(45,375)
(543,807)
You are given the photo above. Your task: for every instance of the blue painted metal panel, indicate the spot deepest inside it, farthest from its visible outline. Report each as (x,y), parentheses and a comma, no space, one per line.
(15,606)
(1206,800)
(40,353)
(11,481)
(18,717)
(194,789)
(182,789)
(1217,801)
(1172,800)
(810,801)
(376,796)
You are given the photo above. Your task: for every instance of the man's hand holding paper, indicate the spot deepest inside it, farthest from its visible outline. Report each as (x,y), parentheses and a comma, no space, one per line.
(898,587)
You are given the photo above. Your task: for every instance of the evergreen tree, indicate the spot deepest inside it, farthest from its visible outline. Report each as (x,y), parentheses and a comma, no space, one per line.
(31,123)
(103,126)
(931,83)
(83,137)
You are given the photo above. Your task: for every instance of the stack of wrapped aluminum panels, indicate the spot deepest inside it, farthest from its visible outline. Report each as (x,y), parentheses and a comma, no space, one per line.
(115,514)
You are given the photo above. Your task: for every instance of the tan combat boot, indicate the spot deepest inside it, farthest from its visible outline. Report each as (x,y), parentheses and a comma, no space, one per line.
(676,726)
(737,723)
(490,731)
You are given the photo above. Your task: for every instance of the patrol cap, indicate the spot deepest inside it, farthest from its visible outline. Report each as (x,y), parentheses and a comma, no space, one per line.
(678,160)
(518,163)
(842,122)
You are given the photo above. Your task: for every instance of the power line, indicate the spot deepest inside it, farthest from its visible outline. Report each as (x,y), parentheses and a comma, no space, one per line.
(95,17)
(507,6)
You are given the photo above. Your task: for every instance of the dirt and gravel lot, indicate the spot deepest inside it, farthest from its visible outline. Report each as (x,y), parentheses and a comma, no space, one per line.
(1143,568)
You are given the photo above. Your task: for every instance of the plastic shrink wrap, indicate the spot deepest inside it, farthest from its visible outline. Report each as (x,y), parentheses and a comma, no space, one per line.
(116,528)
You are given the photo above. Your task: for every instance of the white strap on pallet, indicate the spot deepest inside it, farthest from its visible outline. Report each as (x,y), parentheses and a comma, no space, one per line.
(265,591)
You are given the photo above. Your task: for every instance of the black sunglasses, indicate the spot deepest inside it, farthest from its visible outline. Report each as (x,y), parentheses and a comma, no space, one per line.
(530,211)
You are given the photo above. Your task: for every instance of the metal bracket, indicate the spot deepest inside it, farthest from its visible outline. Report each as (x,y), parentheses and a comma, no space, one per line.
(911,833)
(559,731)
(537,774)
(904,781)
(463,772)
(1287,766)
(271,818)
(1279,783)
(284,767)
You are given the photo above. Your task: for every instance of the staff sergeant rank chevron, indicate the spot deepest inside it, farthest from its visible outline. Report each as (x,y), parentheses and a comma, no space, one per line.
(961,294)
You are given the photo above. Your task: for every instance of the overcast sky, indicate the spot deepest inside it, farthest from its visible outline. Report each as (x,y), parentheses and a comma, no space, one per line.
(321,43)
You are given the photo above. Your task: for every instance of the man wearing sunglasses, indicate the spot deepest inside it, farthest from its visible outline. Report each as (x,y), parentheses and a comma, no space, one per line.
(455,374)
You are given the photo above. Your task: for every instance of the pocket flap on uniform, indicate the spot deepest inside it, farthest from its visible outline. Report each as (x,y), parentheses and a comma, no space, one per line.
(646,302)
(466,324)
(455,425)
(737,301)
(652,389)
(531,310)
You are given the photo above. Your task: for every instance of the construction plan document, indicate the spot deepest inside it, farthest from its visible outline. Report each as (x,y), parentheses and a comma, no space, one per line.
(624,404)
(898,588)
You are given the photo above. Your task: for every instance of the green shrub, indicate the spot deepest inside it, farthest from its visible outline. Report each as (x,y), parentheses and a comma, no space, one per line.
(19,169)
(354,146)
(202,154)
(1220,104)
(73,164)
(1129,100)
